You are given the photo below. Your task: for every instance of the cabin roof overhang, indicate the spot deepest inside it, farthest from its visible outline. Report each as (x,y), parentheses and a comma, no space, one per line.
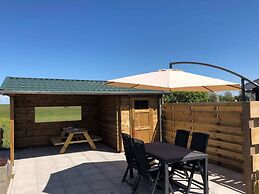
(44,86)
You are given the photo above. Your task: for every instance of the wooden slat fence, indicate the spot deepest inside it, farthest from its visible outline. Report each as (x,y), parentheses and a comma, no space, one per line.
(223,121)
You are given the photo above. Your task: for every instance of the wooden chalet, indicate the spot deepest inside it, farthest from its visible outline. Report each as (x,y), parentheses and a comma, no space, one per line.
(106,111)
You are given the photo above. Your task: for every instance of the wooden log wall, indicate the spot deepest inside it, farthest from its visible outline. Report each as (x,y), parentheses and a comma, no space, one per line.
(222,121)
(125,111)
(28,133)
(154,107)
(108,120)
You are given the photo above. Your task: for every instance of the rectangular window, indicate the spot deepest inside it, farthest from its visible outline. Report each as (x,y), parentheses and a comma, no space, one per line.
(57,114)
(141,104)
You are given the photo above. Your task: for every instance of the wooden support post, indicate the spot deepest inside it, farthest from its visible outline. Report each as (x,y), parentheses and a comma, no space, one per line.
(12,130)
(118,124)
(246,148)
(248,151)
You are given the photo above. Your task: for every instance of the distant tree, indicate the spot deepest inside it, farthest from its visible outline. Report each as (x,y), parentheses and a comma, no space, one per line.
(213,97)
(186,97)
(228,96)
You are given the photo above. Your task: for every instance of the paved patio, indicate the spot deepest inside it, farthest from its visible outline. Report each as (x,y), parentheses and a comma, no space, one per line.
(81,170)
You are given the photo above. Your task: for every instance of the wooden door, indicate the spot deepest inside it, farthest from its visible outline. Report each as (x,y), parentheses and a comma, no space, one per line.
(141,119)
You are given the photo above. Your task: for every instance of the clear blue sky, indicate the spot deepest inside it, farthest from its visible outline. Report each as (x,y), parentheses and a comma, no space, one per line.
(109,39)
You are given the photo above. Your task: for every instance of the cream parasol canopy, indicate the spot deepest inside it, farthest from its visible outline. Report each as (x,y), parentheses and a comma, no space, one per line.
(174,80)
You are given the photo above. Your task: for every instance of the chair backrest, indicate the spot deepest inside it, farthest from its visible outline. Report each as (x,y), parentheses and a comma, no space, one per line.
(141,156)
(199,142)
(128,149)
(181,138)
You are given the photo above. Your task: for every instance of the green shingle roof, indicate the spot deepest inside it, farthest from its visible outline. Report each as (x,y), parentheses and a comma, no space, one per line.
(18,85)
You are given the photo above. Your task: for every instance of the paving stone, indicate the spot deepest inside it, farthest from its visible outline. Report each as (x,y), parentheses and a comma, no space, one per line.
(100,185)
(53,191)
(90,171)
(82,170)
(113,174)
(25,189)
(24,182)
(78,189)
(108,168)
(108,191)
(73,181)
(95,177)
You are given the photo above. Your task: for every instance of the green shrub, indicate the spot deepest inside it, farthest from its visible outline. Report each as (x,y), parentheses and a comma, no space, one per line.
(6,132)
(174,97)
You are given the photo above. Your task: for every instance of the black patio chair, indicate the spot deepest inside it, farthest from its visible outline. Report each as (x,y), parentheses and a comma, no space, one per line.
(145,168)
(130,155)
(199,143)
(181,138)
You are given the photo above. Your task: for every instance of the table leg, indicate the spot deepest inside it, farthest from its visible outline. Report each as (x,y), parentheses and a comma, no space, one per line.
(90,141)
(64,148)
(206,179)
(63,133)
(166,178)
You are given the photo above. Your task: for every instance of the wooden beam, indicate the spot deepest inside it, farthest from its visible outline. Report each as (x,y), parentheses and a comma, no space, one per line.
(246,125)
(12,129)
(254,110)
(119,127)
(255,159)
(255,135)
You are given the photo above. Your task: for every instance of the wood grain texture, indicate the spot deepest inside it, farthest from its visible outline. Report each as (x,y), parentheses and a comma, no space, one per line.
(106,116)
(255,135)
(255,160)
(128,115)
(251,153)
(12,130)
(222,121)
(28,133)
(107,121)
(254,109)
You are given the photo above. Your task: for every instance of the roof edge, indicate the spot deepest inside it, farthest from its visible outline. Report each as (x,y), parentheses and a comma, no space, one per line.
(4,82)
(80,93)
(56,79)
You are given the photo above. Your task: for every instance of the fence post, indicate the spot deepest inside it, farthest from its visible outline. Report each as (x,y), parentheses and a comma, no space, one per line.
(250,122)
(12,130)
(246,124)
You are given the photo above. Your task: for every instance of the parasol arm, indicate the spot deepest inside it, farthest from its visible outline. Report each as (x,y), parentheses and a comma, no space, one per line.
(243,79)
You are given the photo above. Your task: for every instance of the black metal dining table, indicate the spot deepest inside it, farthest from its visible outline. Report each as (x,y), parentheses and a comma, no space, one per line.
(169,153)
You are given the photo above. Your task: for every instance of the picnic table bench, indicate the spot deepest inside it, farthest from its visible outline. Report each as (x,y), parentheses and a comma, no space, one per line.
(80,135)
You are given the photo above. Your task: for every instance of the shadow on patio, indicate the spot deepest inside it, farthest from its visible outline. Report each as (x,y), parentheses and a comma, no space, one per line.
(81,170)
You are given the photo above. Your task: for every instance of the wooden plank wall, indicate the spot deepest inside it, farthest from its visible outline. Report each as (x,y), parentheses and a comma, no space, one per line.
(222,121)
(28,133)
(108,121)
(154,108)
(107,116)
(125,115)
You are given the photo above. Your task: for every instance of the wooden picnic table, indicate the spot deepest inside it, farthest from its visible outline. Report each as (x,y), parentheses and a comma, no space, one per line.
(71,131)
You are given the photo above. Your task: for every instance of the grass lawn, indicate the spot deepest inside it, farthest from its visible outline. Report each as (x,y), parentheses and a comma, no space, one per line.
(56,114)
(42,114)
(5,124)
